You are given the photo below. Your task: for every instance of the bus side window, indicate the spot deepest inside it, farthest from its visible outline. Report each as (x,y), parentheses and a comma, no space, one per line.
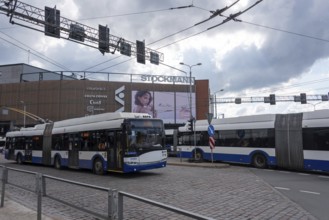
(66,142)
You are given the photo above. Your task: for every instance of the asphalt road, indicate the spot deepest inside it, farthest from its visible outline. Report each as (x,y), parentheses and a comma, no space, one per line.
(309,190)
(219,193)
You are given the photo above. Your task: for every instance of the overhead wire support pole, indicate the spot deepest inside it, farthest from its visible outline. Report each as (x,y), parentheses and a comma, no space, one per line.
(34,18)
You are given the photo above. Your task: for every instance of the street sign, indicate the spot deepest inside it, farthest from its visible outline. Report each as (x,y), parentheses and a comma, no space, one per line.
(209,117)
(212,142)
(211,130)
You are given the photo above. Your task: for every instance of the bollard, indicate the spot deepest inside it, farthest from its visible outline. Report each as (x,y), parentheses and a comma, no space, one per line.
(39,194)
(109,204)
(120,206)
(43,186)
(114,204)
(4,181)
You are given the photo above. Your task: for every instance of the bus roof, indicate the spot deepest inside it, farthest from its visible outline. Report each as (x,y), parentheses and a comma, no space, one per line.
(99,118)
(89,122)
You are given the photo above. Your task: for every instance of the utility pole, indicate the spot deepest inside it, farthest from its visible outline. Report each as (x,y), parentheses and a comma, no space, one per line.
(192,119)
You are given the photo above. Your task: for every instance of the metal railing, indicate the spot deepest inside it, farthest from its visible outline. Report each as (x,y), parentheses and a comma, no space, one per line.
(115,198)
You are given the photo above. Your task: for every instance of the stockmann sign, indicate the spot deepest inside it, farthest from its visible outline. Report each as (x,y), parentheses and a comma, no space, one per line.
(166,79)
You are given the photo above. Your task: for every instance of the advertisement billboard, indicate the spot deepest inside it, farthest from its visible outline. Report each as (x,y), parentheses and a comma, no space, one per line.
(171,107)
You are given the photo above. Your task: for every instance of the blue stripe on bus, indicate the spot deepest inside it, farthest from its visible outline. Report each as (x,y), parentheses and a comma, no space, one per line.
(37,160)
(86,164)
(316,165)
(234,158)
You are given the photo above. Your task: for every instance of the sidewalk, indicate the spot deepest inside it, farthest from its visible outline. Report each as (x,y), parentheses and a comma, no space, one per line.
(15,211)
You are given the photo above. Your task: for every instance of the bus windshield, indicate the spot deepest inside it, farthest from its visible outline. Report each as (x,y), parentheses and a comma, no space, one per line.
(145,135)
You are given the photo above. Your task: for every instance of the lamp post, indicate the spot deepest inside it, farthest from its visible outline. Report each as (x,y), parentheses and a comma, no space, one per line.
(215,107)
(190,103)
(24,108)
(190,93)
(315,104)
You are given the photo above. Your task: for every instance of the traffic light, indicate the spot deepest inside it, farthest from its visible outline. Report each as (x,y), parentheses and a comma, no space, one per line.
(303,98)
(52,22)
(125,48)
(140,51)
(237,100)
(190,125)
(104,39)
(272,99)
(154,58)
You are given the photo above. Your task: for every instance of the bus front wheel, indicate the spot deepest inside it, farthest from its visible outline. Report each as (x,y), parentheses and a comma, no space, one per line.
(19,159)
(259,161)
(98,167)
(57,163)
(198,155)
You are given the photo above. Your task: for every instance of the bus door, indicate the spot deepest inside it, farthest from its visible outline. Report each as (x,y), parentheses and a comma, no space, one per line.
(28,150)
(114,157)
(9,149)
(74,147)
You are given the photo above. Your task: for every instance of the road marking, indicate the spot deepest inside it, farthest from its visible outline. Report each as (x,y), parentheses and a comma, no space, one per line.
(309,192)
(284,172)
(282,188)
(326,177)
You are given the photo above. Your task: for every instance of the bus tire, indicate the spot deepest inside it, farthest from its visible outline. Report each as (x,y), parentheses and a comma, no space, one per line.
(19,158)
(98,167)
(198,155)
(57,163)
(259,161)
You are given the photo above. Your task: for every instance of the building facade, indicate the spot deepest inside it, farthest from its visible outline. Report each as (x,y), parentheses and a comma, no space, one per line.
(58,96)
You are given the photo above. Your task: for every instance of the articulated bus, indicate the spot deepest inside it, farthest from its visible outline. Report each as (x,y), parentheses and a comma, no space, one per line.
(290,141)
(115,142)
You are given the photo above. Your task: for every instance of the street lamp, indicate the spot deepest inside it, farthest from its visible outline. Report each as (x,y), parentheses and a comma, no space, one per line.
(190,96)
(315,104)
(190,102)
(215,102)
(24,107)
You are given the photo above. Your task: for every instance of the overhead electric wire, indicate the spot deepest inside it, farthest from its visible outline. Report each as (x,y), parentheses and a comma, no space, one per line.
(290,86)
(102,63)
(231,17)
(45,59)
(138,13)
(285,31)
(218,12)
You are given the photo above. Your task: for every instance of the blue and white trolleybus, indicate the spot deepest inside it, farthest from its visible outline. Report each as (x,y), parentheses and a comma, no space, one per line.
(117,142)
(291,141)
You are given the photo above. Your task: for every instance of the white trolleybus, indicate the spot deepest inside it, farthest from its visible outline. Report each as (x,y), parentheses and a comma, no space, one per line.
(289,141)
(118,142)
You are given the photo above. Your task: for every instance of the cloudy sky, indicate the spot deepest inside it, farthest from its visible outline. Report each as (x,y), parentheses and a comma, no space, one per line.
(280,47)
